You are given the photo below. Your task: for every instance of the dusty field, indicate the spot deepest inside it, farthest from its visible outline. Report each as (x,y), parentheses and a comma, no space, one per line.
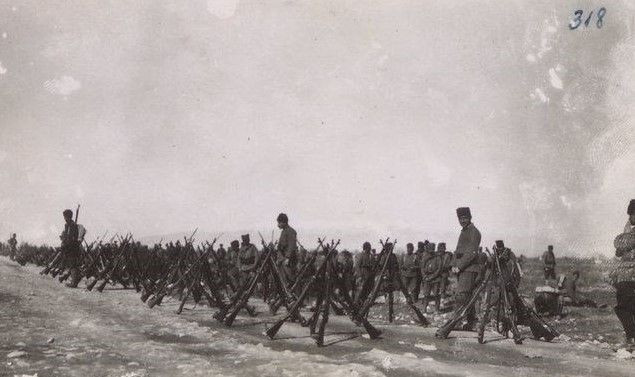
(57,331)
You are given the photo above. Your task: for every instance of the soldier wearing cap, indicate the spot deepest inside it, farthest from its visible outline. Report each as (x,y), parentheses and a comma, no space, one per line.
(624,280)
(549,259)
(432,276)
(365,265)
(287,249)
(445,272)
(410,271)
(493,295)
(70,248)
(466,264)
(248,259)
(232,260)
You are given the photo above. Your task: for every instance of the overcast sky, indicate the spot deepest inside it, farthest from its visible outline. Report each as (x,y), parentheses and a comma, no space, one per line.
(362,118)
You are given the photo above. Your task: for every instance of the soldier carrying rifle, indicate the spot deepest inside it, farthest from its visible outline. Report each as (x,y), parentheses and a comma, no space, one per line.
(70,247)
(287,249)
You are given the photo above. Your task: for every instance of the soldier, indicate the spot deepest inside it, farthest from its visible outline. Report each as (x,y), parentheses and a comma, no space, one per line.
(493,297)
(13,243)
(345,270)
(390,278)
(420,253)
(549,259)
(465,263)
(445,272)
(624,280)
(365,265)
(248,259)
(232,261)
(287,249)
(410,272)
(431,272)
(70,248)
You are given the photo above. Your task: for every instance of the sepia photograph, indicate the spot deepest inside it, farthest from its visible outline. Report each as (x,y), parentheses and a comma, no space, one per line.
(317,188)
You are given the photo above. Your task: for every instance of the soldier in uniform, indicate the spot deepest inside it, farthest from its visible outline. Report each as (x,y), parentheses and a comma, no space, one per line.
(420,253)
(624,281)
(445,272)
(232,263)
(465,263)
(410,271)
(287,249)
(431,272)
(345,270)
(365,265)
(70,248)
(493,297)
(549,259)
(248,259)
(13,243)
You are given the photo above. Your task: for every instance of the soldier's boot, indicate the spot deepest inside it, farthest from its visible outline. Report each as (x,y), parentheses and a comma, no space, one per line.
(75,278)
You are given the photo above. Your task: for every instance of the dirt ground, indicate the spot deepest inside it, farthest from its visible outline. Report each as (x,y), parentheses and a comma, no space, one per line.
(47,329)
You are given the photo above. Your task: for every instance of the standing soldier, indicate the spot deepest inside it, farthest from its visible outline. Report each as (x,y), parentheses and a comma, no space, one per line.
(287,249)
(232,263)
(345,270)
(70,248)
(465,263)
(420,253)
(365,264)
(623,277)
(549,260)
(445,271)
(410,271)
(494,295)
(248,259)
(431,272)
(13,243)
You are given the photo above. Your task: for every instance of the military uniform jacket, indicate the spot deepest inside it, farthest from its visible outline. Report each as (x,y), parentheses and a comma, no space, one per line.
(549,258)
(410,266)
(365,264)
(70,236)
(248,257)
(433,267)
(466,254)
(287,245)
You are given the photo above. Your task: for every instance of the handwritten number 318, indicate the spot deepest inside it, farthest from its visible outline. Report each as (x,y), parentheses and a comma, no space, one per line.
(577,20)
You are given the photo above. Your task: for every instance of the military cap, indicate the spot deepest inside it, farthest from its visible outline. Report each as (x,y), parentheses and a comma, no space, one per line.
(441,246)
(463,212)
(500,244)
(283,218)
(68,212)
(366,246)
(235,243)
(245,238)
(631,208)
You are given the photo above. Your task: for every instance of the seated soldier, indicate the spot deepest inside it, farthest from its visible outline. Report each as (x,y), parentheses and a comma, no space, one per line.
(568,286)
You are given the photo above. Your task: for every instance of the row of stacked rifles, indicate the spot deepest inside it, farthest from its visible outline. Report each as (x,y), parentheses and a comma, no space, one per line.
(185,271)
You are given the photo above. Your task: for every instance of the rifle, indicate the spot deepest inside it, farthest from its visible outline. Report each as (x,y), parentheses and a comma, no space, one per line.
(509,312)
(159,296)
(244,297)
(370,300)
(273,330)
(445,330)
